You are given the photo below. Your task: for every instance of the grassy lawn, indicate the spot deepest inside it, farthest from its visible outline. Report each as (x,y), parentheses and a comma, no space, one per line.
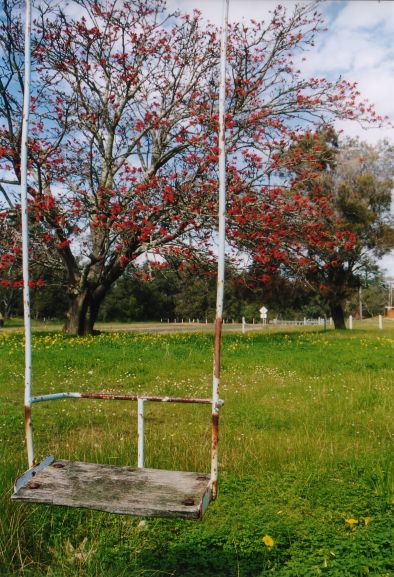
(306,453)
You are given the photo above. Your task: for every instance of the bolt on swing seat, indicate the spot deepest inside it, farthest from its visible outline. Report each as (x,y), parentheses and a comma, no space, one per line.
(114,489)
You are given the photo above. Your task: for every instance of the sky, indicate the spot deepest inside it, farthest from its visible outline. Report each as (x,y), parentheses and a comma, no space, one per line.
(359,46)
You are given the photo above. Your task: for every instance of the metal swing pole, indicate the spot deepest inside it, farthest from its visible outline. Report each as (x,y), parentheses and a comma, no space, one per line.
(221,254)
(25,238)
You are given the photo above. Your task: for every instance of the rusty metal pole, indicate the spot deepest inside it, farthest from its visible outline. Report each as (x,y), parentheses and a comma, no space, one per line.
(25,239)
(221,254)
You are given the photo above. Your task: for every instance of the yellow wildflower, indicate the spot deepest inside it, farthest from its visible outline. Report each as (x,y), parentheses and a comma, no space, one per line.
(367,520)
(268,541)
(351,522)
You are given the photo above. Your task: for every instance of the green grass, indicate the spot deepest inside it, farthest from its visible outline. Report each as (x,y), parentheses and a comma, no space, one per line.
(306,443)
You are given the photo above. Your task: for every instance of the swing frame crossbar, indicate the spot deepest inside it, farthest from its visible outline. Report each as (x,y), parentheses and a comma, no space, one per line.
(141,400)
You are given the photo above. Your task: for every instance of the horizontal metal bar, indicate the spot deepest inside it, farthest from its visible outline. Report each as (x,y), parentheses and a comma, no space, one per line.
(115,397)
(55,397)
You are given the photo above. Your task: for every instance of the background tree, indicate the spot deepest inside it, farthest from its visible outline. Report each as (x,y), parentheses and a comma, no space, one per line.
(373,296)
(361,198)
(338,216)
(190,294)
(124,122)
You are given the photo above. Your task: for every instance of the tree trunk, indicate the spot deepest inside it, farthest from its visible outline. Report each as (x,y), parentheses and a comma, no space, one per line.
(338,315)
(82,313)
(8,304)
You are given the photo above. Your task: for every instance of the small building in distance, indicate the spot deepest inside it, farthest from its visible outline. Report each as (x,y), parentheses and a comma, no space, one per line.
(389,312)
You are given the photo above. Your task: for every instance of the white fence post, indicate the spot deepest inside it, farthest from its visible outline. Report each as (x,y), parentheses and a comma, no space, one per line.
(350,322)
(380,321)
(243,325)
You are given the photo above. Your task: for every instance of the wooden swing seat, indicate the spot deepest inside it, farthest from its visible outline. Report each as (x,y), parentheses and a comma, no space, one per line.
(114,489)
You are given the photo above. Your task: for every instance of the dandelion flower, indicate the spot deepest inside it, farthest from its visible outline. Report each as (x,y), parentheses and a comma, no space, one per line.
(351,522)
(367,520)
(268,541)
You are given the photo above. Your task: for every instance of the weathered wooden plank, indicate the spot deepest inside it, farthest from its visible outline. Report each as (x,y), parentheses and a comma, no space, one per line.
(123,490)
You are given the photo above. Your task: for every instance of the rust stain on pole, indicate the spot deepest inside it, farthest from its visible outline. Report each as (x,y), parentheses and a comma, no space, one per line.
(27,417)
(28,434)
(215,430)
(214,454)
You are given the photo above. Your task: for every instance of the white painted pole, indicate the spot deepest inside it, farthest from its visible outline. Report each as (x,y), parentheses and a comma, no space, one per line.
(243,325)
(221,253)
(140,410)
(25,239)
(350,322)
(380,321)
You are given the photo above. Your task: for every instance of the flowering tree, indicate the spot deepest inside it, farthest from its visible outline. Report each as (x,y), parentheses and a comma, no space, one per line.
(332,221)
(124,147)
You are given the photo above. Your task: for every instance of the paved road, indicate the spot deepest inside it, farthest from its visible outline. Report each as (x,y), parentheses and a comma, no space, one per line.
(142,327)
(166,328)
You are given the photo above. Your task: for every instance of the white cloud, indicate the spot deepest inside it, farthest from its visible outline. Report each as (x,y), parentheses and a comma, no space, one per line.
(212,10)
(344,51)
(387,264)
(366,14)
(359,47)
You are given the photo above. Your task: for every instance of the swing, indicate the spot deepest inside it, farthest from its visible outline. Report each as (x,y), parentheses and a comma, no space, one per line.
(114,489)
